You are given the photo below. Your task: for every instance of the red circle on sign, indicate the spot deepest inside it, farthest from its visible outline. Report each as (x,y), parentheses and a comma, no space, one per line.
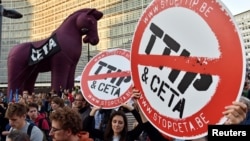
(229,67)
(107,74)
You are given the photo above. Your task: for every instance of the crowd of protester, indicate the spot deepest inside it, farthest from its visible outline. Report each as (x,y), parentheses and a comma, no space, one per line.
(67,116)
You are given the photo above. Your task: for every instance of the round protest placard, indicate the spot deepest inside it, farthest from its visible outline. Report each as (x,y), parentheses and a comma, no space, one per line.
(106,80)
(188,61)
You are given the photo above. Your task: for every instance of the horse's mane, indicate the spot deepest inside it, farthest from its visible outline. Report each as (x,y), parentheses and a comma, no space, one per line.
(76,13)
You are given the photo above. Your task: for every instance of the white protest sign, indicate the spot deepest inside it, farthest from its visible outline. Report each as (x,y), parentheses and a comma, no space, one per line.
(106,79)
(188,61)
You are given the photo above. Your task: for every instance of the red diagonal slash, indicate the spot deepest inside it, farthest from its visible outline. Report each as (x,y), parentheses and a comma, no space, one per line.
(201,65)
(109,75)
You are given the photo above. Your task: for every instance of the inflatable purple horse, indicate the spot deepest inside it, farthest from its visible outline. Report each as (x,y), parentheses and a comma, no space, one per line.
(59,53)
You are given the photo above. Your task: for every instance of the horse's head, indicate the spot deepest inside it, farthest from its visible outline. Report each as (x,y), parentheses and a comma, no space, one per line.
(87,24)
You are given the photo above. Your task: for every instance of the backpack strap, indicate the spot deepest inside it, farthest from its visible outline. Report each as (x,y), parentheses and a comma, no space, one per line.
(30,127)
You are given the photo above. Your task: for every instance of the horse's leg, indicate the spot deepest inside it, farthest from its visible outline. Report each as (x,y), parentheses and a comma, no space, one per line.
(30,81)
(59,76)
(16,75)
(71,77)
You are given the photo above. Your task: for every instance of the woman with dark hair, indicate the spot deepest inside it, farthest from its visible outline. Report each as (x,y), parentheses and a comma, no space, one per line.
(117,127)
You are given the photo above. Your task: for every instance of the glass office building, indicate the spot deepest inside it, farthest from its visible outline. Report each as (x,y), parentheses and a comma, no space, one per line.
(243,21)
(42,17)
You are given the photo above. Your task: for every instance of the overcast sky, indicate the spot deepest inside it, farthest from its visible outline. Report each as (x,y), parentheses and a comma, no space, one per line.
(237,6)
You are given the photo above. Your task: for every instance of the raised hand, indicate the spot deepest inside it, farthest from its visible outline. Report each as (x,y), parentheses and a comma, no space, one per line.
(235,113)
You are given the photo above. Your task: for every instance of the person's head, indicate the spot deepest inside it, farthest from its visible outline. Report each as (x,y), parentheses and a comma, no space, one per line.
(43,95)
(74,106)
(80,101)
(22,101)
(16,113)
(39,96)
(73,94)
(117,125)
(65,124)
(25,94)
(17,135)
(56,103)
(65,96)
(30,98)
(65,90)
(32,111)
(53,93)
